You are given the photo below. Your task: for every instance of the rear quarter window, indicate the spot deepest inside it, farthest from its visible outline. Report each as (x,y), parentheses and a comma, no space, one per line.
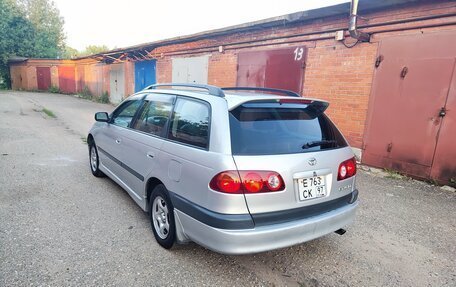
(190,123)
(275,128)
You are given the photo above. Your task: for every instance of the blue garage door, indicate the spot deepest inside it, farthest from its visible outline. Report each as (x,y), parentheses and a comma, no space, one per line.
(144,74)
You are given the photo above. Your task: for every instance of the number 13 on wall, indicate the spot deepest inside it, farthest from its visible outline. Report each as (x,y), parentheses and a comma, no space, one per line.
(298,53)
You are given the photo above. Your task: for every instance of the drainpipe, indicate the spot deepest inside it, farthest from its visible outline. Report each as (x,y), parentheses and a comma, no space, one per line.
(354,32)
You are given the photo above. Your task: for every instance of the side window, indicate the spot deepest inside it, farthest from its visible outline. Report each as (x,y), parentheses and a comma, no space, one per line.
(155,115)
(124,114)
(190,123)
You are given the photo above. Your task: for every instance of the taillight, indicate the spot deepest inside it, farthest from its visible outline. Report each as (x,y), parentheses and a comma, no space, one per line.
(247,181)
(347,169)
(227,181)
(252,182)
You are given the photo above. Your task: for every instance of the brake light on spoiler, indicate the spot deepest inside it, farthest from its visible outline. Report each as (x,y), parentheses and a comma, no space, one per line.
(295,101)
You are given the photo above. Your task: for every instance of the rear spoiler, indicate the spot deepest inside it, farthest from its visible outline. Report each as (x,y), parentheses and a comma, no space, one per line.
(314,108)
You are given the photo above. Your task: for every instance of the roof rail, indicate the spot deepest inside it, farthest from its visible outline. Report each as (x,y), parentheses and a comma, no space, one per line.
(278,91)
(212,90)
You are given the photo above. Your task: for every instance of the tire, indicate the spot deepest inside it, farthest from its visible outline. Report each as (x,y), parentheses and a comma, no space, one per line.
(94,161)
(162,217)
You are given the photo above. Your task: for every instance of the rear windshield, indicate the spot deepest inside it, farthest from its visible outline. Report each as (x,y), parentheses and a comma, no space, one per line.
(277,128)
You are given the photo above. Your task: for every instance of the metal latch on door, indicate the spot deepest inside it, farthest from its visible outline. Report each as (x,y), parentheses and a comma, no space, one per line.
(442,112)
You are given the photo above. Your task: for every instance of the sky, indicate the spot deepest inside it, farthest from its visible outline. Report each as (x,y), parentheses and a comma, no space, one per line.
(118,24)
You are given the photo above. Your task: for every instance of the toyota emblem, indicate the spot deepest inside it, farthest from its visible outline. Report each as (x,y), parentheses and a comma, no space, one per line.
(312,161)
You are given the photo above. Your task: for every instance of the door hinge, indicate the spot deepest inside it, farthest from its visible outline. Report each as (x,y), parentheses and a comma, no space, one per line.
(389,147)
(378,61)
(303,65)
(404,72)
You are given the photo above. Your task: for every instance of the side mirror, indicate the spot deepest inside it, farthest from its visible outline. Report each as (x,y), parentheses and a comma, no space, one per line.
(102,117)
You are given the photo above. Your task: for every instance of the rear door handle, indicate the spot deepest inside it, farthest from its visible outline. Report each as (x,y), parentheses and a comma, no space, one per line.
(150,154)
(118,141)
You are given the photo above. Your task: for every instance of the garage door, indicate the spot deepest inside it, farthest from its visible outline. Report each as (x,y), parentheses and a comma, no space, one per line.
(43,76)
(278,68)
(411,119)
(144,74)
(190,70)
(117,83)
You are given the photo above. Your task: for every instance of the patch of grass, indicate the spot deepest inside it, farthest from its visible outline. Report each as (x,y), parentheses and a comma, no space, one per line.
(84,140)
(49,113)
(104,99)
(86,94)
(393,174)
(54,90)
(433,182)
(453,182)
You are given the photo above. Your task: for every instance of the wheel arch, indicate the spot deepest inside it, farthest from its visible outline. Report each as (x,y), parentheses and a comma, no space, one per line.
(152,182)
(90,140)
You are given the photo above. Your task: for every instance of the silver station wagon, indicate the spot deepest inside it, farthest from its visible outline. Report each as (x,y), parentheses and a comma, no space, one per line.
(236,170)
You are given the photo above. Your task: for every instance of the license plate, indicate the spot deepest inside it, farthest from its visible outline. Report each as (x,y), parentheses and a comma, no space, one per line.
(311,187)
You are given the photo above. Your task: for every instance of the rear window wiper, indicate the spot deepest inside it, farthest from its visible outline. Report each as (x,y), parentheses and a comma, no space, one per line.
(317,143)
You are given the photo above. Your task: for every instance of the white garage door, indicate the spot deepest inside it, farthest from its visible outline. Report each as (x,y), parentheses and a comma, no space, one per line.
(190,70)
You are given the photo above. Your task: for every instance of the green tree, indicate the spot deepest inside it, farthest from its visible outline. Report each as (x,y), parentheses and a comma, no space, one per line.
(93,49)
(16,36)
(70,53)
(29,28)
(49,33)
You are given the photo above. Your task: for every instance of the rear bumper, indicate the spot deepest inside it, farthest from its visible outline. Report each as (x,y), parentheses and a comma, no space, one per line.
(267,237)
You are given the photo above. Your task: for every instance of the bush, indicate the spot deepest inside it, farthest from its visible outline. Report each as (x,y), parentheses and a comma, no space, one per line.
(3,84)
(54,89)
(104,98)
(86,94)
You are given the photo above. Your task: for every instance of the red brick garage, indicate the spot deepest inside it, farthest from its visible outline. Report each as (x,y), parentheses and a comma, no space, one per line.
(330,69)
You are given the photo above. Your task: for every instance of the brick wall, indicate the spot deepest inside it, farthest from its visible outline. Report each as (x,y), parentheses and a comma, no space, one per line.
(342,76)
(222,69)
(129,78)
(55,76)
(164,70)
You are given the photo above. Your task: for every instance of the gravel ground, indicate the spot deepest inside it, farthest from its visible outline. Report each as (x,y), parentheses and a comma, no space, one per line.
(60,226)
